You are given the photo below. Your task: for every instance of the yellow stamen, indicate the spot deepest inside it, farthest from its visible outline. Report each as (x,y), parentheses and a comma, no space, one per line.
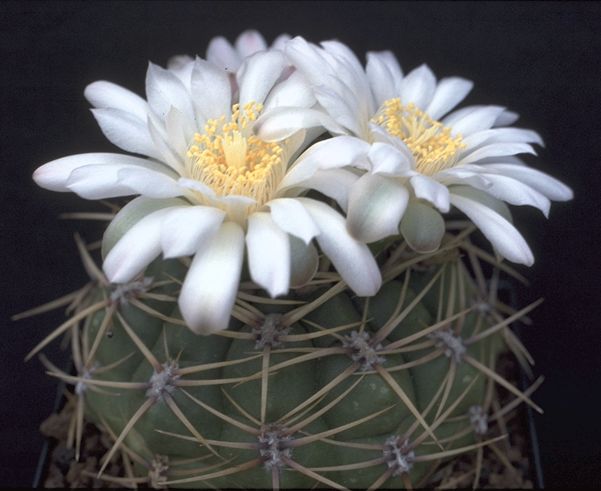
(430,142)
(231,160)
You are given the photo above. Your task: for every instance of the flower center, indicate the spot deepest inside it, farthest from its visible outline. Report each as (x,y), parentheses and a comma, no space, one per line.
(231,160)
(430,142)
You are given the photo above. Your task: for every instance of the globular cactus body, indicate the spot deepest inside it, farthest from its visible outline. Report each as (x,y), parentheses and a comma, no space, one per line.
(319,388)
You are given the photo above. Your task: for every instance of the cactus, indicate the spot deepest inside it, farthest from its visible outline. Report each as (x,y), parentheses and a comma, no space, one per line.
(283,304)
(320,388)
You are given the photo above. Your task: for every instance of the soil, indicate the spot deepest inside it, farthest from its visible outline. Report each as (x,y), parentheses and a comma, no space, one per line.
(513,469)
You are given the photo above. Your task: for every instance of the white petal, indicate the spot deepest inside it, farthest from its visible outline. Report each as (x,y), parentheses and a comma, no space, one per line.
(432,191)
(343,106)
(503,135)
(418,87)
(166,151)
(185,229)
(543,183)
(282,122)
(382,81)
(103,180)
(179,131)
(507,118)
(104,94)
(335,152)
(479,119)
(249,42)
(376,205)
(132,213)
(222,53)
(211,285)
(126,131)
(140,245)
(292,217)
(308,59)
(98,182)
(268,254)
(514,192)
(504,237)
(496,150)
(483,198)
(164,89)
(352,259)
(196,186)
(292,92)
(304,260)
(388,159)
(55,174)
(181,65)
(280,42)
(422,227)
(211,90)
(449,92)
(258,74)
(149,183)
(334,183)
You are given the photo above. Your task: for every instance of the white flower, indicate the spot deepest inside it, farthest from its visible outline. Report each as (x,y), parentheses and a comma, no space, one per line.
(419,158)
(210,187)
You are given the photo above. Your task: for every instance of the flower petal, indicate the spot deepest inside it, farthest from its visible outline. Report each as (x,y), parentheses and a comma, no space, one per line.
(268,254)
(54,174)
(328,154)
(333,183)
(104,94)
(211,285)
(384,84)
(140,245)
(495,150)
(388,159)
(211,90)
(376,205)
(164,89)
(258,74)
(222,53)
(292,217)
(282,122)
(292,92)
(149,183)
(352,259)
(304,260)
(422,227)
(249,42)
(103,181)
(504,237)
(185,229)
(481,118)
(432,191)
(449,92)
(543,183)
(126,131)
(515,192)
(418,87)
(503,135)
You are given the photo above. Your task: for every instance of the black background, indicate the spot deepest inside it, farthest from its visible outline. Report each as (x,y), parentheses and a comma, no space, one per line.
(540,59)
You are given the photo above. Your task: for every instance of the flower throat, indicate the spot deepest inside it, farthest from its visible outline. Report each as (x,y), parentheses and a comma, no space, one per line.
(430,142)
